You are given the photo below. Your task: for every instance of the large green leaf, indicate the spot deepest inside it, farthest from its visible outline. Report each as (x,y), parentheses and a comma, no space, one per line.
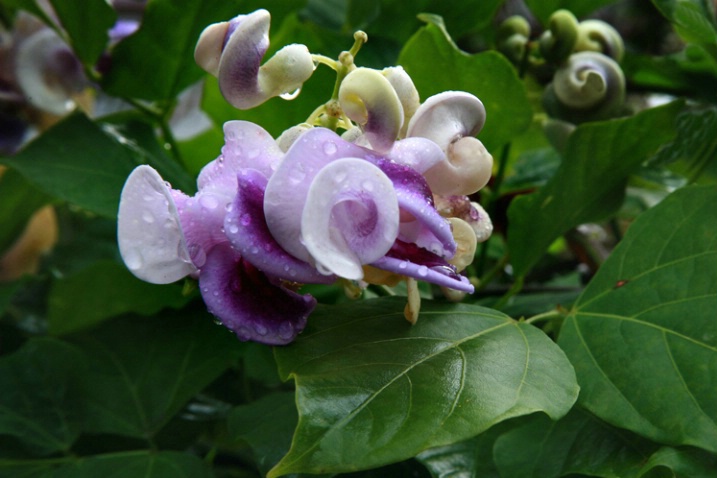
(78,162)
(435,65)
(693,19)
(643,335)
(267,425)
(18,201)
(145,369)
(105,289)
(132,464)
(373,390)
(87,24)
(157,62)
(576,444)
(590,182)
(39,395)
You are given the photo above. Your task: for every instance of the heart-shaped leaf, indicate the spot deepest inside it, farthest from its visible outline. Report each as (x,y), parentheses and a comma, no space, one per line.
(373,390)
(643,335)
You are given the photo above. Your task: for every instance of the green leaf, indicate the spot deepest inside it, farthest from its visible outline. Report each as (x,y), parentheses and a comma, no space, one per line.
(578,443)
(145,369)
(470,458)
(643,335)
(105,289)
(132,464)
(373,390)
(87,24)
(40,391)
(542,9)
(157,62)
(18,202)
(77,162)
(695,144)
(267,425)
(590,182)
(508,111)
(693,19)
(681,463)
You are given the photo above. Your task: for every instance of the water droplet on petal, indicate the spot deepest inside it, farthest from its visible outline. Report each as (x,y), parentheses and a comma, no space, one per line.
(296,175)
(148,217)
(209,202)
(286,330)
(290,96)
(403,265)
(229,207)
(423,271)
(254,250)
(340,177)
(367,185)
(260,329)
(133,259)
(330,148)
(233,229)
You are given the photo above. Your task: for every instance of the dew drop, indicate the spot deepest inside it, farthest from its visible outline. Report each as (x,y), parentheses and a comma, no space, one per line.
(423,271)
(290,96)
(340,177)
(229,207)
(254,250)
(330,148)
(367,185)
(209,202)
(233,229)
(148,197)
(148,217)
(296,175)
(403,265)
(260,329)
(132,259)
(286,330)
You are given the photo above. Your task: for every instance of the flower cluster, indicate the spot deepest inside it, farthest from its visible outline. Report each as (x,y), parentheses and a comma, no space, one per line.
(385,201)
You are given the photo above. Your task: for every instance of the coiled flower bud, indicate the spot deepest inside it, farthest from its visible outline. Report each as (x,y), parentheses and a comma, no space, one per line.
(588,86)
(557,43)
(512,37)
(596,35)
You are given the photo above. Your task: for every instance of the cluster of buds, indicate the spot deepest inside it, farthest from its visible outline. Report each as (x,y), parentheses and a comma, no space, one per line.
(372,189)
(582,61)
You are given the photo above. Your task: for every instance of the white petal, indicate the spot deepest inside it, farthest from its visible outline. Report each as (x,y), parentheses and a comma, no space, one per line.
(351,217)
(148,231)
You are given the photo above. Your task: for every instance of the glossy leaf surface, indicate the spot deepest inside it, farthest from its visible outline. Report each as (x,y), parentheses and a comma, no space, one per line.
(643,335)
(372,390)
(87,24)
(503,95)
(590,182)
(104,290)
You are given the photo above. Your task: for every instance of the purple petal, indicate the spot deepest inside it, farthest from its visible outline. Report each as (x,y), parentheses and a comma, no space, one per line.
(246,228)
(424,226)
(202,219)
(248,303)
(288,188)
(246,146)
(149,235)
(410,260)
(420,154)
(350,217)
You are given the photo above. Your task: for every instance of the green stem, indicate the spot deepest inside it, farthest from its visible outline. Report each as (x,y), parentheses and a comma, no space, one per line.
(549,315)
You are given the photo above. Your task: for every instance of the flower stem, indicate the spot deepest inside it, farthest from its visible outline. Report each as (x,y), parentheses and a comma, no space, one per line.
(549,315)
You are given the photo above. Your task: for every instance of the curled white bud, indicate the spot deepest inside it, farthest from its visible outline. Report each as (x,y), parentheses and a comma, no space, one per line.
(48,72)
(289,136)
(599,36)
(369,99)
(406,91)
(588,79)
(466,243)
(233,52)
(451,120)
